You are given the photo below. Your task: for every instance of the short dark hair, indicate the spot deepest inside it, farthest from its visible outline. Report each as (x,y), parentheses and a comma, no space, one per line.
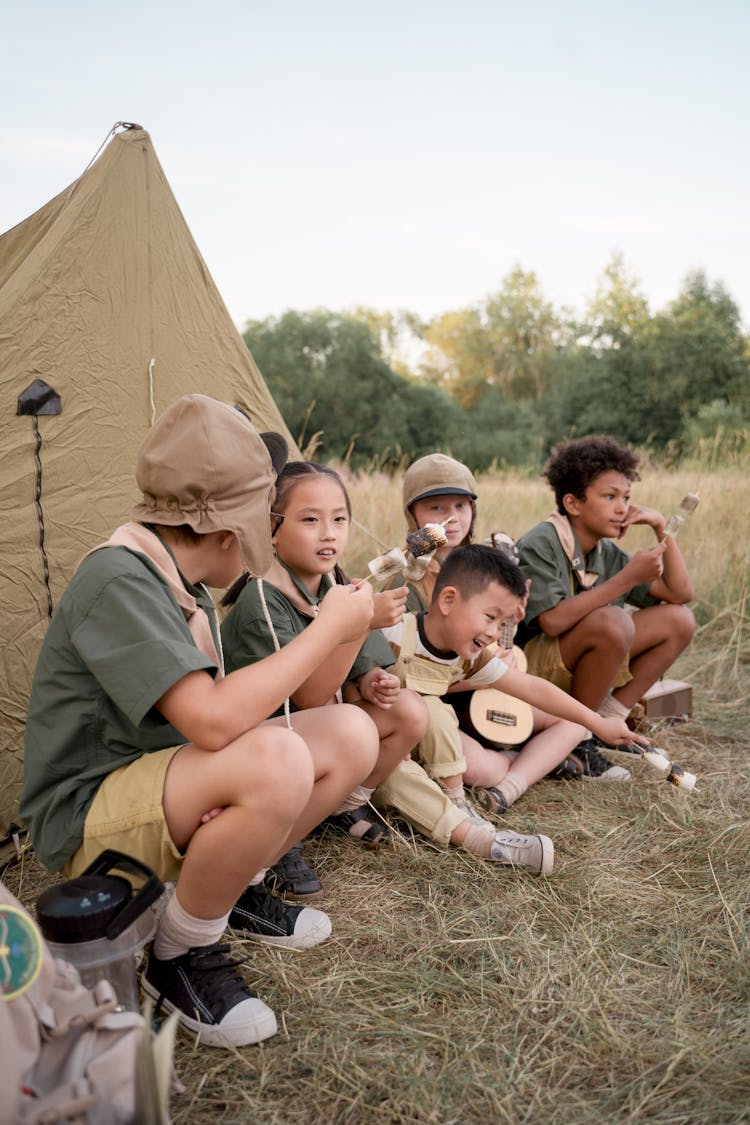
(574,465)
(179,533)
(472,568)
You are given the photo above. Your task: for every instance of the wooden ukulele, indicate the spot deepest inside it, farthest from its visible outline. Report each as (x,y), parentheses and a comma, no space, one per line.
(492,715)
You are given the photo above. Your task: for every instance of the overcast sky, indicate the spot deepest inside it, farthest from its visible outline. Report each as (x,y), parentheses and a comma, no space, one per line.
(403,154)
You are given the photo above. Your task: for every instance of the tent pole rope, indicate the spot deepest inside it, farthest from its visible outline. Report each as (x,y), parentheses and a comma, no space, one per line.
(372,535)
(117,125)
(40,515)
(151,365)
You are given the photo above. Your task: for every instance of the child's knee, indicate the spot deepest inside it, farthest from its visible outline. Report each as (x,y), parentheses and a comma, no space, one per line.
(276,762)
(410,710)
(676,627)
(357,735)
(613,628)
(684,624)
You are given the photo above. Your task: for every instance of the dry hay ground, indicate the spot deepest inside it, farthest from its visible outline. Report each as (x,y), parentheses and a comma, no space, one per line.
(454,992)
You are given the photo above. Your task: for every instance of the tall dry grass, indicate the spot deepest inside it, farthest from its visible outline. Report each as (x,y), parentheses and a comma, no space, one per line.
(450,992)
(716,541)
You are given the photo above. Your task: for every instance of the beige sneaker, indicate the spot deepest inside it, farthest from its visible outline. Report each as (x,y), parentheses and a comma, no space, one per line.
(535,852)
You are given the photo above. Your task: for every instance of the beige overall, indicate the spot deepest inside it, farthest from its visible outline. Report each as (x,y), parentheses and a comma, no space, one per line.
(410,788)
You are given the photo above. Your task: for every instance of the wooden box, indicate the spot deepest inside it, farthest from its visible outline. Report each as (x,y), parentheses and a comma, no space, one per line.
(668,699)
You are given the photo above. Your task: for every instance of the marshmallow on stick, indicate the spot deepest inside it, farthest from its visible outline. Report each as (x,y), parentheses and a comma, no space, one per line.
(682,778)
(421,546)
(657,758)
(384,566)
(426,540)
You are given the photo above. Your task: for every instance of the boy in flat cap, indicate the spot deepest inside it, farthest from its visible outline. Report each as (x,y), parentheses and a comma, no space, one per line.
(137,741)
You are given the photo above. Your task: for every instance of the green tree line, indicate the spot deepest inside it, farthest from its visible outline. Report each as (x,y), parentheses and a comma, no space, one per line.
(503,380)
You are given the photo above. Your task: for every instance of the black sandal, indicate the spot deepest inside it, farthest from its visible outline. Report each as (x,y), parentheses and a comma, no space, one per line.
(362,824)
(293,877)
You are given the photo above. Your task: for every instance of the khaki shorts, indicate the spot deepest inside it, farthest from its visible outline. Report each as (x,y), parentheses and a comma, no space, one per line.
(543,655)
(127,814)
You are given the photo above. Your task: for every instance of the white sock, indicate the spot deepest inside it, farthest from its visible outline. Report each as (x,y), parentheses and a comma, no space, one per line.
(358,797)
(610,707)
(479,840)
(512,787)
(179,931)
(454,793)
(258,878)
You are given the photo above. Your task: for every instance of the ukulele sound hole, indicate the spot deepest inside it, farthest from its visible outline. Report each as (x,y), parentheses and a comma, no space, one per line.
(504,718)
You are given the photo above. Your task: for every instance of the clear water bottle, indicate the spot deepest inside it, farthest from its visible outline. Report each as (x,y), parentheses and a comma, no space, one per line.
(99,925)
(688,504)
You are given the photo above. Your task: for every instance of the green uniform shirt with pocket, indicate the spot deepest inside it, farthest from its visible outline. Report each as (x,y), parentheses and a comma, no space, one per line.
(543,560)
(116,643)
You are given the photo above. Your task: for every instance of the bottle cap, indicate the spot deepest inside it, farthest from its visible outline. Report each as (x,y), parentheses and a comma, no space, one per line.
(81,909)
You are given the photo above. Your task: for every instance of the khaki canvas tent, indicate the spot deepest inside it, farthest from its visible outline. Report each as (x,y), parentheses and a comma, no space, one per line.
(107,314)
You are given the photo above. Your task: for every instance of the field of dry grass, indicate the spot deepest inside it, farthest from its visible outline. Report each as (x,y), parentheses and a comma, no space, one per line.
(453,993)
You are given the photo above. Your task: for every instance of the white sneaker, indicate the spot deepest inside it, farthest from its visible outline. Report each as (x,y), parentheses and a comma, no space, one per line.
(535,852)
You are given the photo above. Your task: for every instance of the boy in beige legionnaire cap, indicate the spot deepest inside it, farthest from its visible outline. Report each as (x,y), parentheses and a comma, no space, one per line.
(137,741)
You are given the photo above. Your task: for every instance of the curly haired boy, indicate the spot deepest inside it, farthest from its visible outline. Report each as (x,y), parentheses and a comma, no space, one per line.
(600,623)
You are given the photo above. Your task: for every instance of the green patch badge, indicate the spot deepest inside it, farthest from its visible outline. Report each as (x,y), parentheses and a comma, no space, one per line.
(20,952)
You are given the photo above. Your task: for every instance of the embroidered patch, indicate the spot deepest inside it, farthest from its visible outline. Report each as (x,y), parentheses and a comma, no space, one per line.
(20,952)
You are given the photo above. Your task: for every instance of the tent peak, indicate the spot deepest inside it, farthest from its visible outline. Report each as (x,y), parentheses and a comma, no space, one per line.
(125,127)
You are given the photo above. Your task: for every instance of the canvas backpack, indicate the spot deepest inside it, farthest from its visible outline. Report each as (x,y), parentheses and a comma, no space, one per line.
(68,1053)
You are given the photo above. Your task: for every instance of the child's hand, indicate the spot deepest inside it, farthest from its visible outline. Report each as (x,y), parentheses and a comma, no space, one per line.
(210,815)
(646,565)
(349,609)
(390,606)
(380,688)
(522,603)
(617,732)
(637,514)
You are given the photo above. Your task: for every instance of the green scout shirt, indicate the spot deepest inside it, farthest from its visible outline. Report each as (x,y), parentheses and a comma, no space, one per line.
(246,638)
(117,642)
(543,560)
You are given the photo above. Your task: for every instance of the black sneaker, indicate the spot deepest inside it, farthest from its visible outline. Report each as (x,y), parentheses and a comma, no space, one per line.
(209,996)
(595,766)
(293,877)
(260,916)
(569,769)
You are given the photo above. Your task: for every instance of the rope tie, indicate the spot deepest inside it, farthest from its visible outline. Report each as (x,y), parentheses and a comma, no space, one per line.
(276,645)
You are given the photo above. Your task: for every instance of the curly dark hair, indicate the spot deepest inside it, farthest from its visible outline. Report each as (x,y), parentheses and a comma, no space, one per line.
(471,569)
(574,465)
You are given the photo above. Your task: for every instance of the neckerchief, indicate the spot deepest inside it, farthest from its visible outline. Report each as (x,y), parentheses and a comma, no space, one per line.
(139,539)
(564,531)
